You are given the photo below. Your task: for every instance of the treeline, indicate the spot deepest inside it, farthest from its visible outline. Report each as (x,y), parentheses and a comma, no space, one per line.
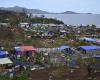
(46,20)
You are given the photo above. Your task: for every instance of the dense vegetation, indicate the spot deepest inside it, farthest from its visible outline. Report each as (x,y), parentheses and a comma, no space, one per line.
(46,20)
(15,17)
(12,17)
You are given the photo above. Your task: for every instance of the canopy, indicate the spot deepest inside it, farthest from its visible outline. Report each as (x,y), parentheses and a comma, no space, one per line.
(5,61)
(92,47)
(64,47)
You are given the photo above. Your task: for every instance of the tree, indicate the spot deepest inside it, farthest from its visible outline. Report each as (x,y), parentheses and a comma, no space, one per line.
(93,26)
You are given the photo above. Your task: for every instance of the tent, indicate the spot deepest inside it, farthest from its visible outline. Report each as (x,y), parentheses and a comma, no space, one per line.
(88,39)
(5,61)
(17,49)
(3,54)
(64,47)
(24,48)
(91,47)
(27,48)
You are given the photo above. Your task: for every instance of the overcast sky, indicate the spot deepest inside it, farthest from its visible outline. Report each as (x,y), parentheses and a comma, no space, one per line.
(83,6)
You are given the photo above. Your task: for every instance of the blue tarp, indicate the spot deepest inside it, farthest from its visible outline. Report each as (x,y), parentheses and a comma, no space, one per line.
(3,54)
(92,47)
(18,50)
(64,47)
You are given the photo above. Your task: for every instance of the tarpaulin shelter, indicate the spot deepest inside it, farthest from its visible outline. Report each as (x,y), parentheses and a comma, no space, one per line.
(17,50)
(5,61)
(65,48)
(92,49)
(88,39)
(25,49)
(3,54)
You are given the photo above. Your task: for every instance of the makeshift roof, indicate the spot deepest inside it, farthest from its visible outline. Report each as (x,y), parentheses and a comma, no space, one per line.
(18,49)
(64,47)
(27,48)
(88,39)
(5,61)
(2,53)
(92,47)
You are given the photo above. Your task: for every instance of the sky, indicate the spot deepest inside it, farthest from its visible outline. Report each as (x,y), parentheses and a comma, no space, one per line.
(82,6)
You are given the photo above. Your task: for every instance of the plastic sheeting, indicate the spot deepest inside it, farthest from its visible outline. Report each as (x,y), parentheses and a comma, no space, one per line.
(92,47)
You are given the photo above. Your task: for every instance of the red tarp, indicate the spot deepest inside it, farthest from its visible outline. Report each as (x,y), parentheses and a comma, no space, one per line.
(27,48)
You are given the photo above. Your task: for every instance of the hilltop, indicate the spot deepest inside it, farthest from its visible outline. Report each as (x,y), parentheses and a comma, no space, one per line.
(21,9)
(36,11)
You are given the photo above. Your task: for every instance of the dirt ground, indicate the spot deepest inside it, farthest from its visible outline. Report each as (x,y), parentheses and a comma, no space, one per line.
(79,74)
(40,75)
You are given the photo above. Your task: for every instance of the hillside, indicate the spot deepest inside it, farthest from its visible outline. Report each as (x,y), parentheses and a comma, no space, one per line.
(21,9)
(11,16)
(36,11)
(9,35)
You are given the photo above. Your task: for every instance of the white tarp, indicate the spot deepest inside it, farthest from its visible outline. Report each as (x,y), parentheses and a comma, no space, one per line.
(5,61)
